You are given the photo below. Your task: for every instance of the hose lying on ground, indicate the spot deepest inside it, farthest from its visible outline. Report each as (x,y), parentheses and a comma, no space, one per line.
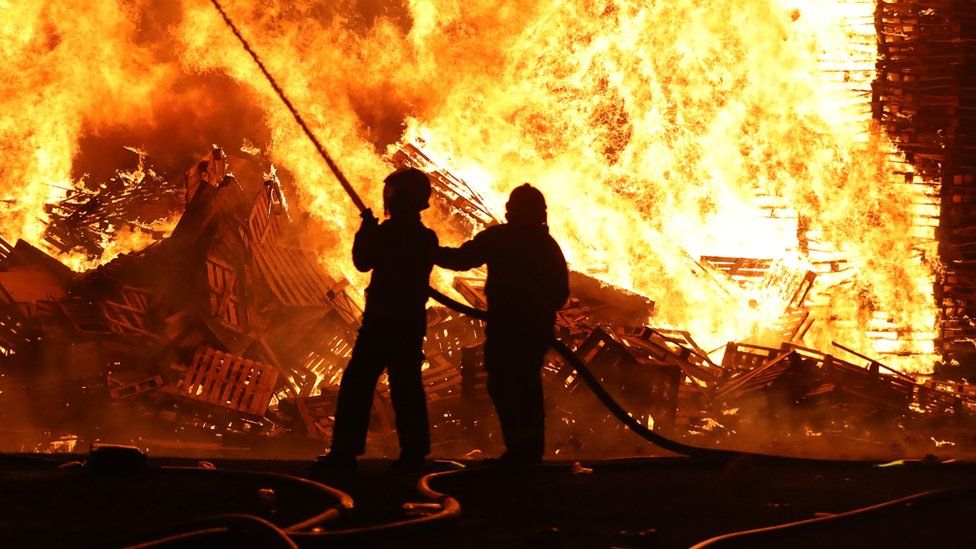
(344,502)
(260,532)
(748,538)
(448,510)
(308,532)
(274,536)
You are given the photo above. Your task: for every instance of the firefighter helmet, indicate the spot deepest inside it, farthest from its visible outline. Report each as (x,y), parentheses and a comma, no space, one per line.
(406,190)
(526,205)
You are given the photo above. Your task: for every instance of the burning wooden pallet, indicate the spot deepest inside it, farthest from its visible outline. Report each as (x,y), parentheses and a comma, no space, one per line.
(230,381)
(126,385)
(816,390)
(456,195)
(857,393)
(944,398)
(678,348)
(789,371)
(743,270)
(743,357)
(130,312)
(91,211)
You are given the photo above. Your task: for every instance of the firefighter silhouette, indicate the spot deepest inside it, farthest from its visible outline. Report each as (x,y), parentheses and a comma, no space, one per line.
(401,253)
(527,283)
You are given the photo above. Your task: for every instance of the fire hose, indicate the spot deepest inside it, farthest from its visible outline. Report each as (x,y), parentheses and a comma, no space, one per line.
(590,380)
(258,530)
(308,532)
(778,534)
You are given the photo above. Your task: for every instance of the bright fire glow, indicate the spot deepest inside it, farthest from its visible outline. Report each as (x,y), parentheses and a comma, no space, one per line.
(659,131)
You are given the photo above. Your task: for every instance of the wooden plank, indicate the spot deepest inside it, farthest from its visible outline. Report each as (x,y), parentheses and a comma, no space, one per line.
(254,383)
(284,275)
(253,380)
(298,269)
(213,372)
(197,369)
(313,275)
(231,382)
(266,386)
(269,268)
(291,279)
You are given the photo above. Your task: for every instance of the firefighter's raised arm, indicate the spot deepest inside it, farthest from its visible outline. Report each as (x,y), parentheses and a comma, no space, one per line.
(364,246)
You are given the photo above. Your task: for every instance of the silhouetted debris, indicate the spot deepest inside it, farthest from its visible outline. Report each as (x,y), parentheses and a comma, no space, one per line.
(647,381)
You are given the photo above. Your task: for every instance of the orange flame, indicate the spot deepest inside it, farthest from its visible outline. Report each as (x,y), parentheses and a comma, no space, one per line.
(659,131)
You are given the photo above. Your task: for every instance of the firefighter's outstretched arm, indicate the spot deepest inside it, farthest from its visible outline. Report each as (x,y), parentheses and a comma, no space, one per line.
(469,255)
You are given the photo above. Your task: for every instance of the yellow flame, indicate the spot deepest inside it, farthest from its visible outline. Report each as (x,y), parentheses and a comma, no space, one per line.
(659,131)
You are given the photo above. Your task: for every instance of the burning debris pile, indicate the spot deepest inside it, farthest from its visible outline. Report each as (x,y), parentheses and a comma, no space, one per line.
(193,336)
(93,214)
(229,335)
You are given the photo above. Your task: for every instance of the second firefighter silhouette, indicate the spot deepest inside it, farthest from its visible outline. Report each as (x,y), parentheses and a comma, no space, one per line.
(527,283)
(401,253)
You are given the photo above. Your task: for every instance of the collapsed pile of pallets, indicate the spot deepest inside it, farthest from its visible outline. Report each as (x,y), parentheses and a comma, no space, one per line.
(227,335)
(196,338)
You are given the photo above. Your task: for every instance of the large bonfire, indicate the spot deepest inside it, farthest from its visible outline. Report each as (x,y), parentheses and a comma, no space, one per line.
(661,133)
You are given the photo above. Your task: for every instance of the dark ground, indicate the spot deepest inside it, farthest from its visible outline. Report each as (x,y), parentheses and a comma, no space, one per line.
(674,502)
